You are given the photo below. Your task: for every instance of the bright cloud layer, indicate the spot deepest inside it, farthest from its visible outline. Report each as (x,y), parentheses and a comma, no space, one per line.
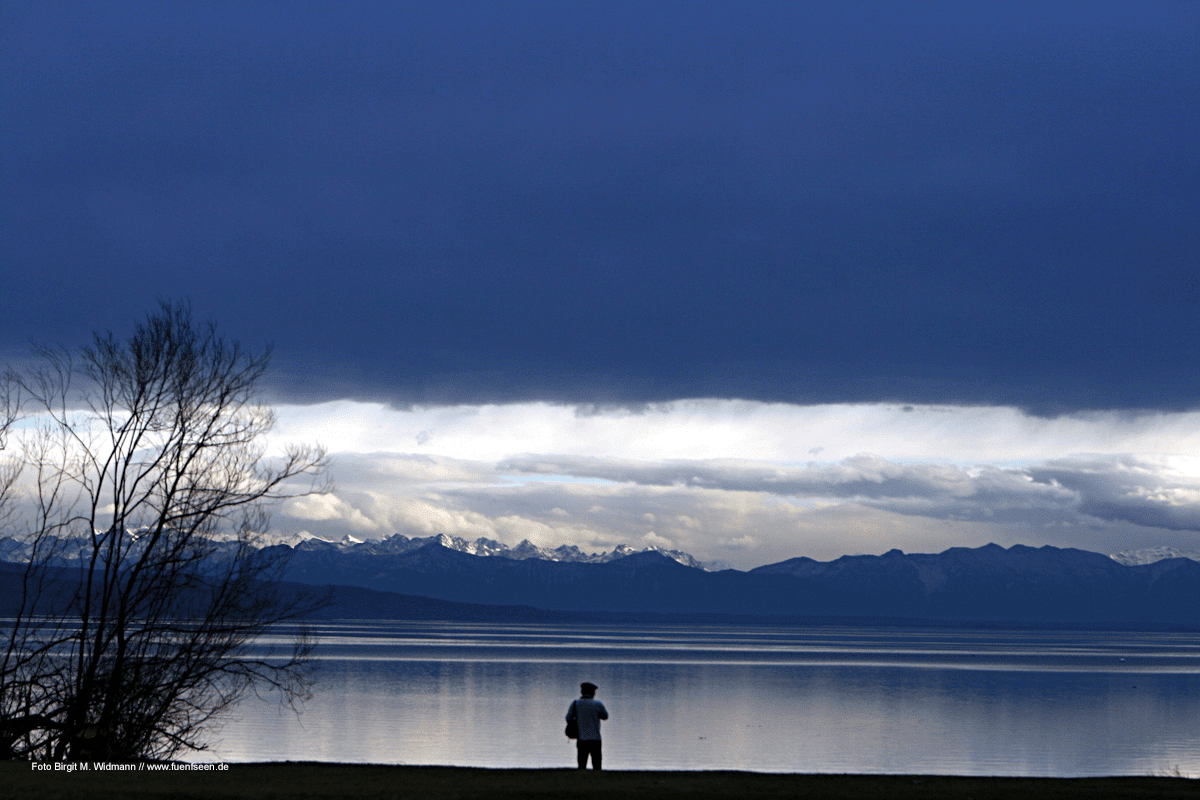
(751,483)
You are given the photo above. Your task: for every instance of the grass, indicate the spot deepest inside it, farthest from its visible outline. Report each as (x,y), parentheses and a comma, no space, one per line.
(364,782)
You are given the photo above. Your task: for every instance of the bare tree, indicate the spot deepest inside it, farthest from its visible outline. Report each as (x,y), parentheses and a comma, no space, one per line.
(146,589)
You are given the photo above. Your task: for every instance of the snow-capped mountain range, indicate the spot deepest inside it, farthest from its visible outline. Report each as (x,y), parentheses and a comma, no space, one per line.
(399,543)
(68,550)
(986,584)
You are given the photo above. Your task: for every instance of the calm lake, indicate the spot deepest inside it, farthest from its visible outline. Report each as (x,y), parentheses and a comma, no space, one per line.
(819,699)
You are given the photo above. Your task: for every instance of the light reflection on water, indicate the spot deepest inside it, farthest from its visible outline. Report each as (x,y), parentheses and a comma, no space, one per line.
(820,699)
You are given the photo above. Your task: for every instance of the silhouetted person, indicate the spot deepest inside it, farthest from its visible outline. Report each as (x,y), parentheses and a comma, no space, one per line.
(587,712)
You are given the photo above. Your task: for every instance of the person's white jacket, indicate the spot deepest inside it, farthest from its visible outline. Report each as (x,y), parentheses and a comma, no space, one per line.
(588,712)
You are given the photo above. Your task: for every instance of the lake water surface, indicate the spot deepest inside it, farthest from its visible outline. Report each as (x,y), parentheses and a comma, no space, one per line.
(820,699)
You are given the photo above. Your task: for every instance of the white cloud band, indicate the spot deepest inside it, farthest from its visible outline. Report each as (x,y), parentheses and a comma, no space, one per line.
(741,482)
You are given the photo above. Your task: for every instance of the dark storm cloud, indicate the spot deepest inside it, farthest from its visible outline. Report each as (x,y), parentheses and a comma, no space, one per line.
(606,203)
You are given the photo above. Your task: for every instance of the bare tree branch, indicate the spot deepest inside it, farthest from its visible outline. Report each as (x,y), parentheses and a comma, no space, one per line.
(145,589)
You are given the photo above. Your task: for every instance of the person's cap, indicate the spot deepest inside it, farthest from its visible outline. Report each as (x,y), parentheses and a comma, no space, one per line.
(588,687)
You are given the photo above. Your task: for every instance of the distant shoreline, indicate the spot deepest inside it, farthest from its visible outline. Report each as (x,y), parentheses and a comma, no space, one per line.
(359,781)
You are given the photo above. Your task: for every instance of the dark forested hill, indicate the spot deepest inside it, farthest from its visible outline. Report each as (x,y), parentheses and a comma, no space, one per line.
(987,584)
(992,584)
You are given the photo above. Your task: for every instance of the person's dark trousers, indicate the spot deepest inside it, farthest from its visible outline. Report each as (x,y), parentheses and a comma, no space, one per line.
(590,746)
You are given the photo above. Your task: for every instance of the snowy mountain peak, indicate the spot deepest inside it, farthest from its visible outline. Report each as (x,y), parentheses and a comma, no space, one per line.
(399,543)
(1148,555)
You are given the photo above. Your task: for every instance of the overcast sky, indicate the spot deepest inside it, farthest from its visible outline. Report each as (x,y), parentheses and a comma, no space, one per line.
(753,280)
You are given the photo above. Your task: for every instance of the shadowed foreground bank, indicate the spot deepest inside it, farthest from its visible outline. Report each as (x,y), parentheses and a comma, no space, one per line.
(310,780)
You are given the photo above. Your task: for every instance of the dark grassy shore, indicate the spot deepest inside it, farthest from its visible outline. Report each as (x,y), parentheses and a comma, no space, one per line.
(359,782)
